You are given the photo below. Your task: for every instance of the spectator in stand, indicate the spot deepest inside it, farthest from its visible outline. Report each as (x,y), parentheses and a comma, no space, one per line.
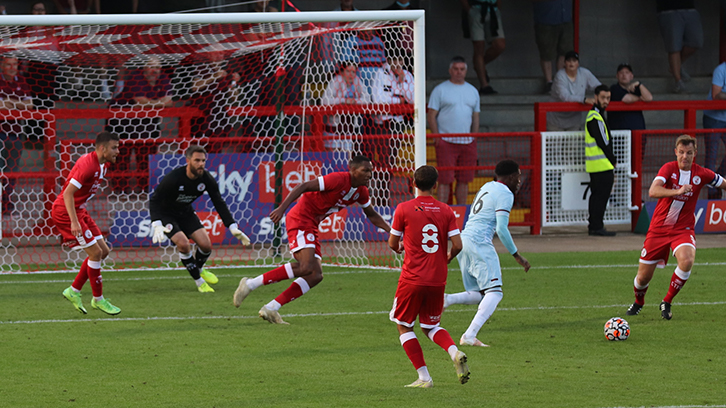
(680,26)
(367,49)
(402,38)
(14,95)
(715,119)
(485,26)
(454,107)
(346,5)
(263,6)
(392,86)
(553,31)
(216,86)
(344,89)
(628,90)
(146,89)
(571,84)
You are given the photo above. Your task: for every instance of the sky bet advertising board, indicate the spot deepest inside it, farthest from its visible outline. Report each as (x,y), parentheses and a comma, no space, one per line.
(710,215)
(247,184)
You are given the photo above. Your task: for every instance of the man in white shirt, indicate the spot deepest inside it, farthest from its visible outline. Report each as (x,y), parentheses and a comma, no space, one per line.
(392,85)
(454,107)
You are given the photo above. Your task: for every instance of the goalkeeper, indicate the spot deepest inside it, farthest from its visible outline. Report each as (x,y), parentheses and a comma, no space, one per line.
(172,214)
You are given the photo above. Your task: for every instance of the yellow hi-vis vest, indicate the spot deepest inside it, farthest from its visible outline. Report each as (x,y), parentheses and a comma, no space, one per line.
(595,159)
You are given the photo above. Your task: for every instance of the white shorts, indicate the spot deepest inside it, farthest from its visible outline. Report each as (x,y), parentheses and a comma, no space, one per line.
(479,263)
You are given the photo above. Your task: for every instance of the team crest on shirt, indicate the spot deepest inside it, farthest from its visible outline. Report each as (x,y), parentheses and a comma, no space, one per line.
(696,180)
(673,176)
(200,187)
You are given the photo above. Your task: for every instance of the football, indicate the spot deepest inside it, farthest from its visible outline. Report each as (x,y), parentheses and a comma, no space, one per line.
(617,329)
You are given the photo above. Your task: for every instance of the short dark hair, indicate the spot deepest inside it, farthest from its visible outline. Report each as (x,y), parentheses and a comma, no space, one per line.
(358,161)
(601,88)
(425,177)
(458,58)
(105,137)
(194,149)
(623,66)
(506,167)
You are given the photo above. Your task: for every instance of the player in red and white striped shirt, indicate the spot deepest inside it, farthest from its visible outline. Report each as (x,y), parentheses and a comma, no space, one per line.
(78,228)
(426,226)
(676,186)
(318,199)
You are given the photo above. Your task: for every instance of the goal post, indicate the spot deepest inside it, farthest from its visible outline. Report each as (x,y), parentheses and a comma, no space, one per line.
(258,90)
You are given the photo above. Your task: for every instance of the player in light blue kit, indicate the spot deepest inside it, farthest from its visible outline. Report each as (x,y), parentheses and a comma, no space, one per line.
(478,260)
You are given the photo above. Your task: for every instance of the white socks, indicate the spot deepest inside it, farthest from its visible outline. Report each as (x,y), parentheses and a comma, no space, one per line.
(463,298)
(485,310)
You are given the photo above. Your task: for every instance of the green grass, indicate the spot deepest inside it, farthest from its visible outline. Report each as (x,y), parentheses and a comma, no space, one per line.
(340,350)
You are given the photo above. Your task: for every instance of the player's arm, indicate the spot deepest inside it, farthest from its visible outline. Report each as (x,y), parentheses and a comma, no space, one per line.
(376,218)
(308,186)
(506,237)
(68,200)
(657,189)
(223,210)
(456,247)
(394,242)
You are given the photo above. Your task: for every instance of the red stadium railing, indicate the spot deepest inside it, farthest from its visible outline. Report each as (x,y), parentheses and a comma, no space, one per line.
(689,109)
(525,148)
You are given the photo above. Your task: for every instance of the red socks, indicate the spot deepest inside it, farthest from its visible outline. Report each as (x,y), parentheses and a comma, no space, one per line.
(278,274)
(94,276)
(441,337)
(678,279)
(298,288)
(413,349)
(82,276)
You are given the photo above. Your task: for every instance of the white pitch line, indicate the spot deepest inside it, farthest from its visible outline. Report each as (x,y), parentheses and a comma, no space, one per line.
(677,406)
(368,313)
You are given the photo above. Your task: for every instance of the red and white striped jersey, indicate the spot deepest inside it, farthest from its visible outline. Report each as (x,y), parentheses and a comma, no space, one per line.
(677,213)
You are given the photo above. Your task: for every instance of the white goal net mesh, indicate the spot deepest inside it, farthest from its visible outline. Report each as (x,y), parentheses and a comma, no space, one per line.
(274,104)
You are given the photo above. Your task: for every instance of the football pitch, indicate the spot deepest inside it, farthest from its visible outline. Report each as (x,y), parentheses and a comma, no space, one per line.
(174,347)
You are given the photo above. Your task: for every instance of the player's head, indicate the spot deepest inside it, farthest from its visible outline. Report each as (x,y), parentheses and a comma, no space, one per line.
(508,172)
(361,170)
(107,147)
(425,178)
(196,159)
(602,96)
(685,151)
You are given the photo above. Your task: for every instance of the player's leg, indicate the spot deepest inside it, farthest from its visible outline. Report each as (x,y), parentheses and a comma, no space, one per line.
(471,295)
(96,253)
(311,273)
(204,250)
(299,240)
(430,308)
(489,278)
(184,247)
(406,304)
(685,254)
(654,254)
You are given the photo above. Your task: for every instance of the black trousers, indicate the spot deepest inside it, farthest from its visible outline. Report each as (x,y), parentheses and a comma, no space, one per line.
(601,185)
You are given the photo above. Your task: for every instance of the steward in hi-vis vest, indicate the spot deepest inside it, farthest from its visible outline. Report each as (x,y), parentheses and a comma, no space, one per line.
(600,162)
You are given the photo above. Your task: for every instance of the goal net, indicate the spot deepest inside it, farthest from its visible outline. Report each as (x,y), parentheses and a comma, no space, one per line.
(276,99)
